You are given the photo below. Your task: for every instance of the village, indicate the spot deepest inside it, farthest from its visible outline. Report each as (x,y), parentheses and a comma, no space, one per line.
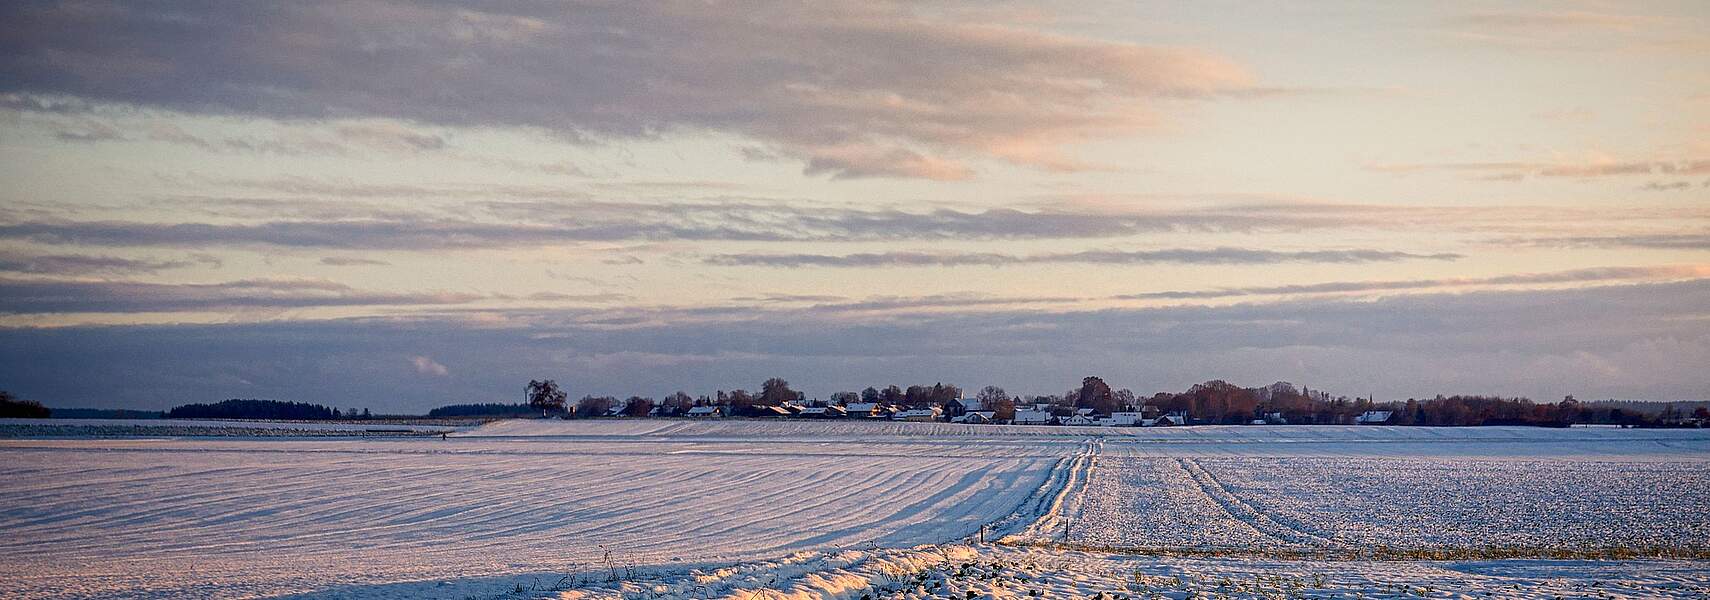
(969,412)
(1093,403)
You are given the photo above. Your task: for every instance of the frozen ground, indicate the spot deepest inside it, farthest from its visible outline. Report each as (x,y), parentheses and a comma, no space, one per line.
(1352,505)
(789,509)
(175,518)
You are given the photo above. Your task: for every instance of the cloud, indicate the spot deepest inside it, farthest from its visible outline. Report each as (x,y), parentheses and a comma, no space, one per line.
(1660,241)
(1592,275)
(855,90)
(1510,342)
(387,135)
(352,225)
(1214,256)
(350,261)
(1551,21)
(1519,170)
(32,296)
(1572,30)
(1673,186)
(82,264)
(427,366)
(789,298)
(547,223)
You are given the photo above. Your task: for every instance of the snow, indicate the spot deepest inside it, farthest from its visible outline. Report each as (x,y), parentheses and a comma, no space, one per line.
(643,508)
(242,517)
(1341,505)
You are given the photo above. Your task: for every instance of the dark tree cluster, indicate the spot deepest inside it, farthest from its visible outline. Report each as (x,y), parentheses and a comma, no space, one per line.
(545,396)
(916,396)
(483,410)
(11,407)
(255,409)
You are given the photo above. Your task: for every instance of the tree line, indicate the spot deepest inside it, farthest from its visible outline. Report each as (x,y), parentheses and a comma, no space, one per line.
(263,409)
(13,407)
(1211,402)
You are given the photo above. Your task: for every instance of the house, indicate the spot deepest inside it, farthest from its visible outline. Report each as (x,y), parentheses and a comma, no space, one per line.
(976,417)
(955,408)
(1033,417)
(1076,419)
(1174,418)
(770,411)
(862,410)
(1275,418)
(1374,417)
(918,414)
(822,412)
(1123,419)
(663,410)
(706,411)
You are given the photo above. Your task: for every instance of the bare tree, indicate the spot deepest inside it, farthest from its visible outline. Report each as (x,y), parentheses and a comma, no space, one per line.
(545,396)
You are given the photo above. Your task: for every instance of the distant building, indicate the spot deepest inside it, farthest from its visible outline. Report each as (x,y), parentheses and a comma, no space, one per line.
(822,412)
(770,411)
(1124,419)
(1374,417)
(862,410)
(1033,417)
(918,414)
(976,417)
(663,410)
(1174,418)
(955,408)
(1076,419)
(706,411)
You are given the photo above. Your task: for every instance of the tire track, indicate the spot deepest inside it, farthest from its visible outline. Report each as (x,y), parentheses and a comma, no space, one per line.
(1066,486)
(1242,511)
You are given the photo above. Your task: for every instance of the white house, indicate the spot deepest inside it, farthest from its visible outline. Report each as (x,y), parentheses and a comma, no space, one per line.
(1124,419)
(1032,417)
(919,414)
(1374,417)
(1174,418)
(706,411)
(861,409)
(821,412)
(1077,419)
(976,417)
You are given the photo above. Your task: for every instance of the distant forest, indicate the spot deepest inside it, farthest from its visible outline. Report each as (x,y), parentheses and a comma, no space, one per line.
(483,410)
(260,409)
(11,407)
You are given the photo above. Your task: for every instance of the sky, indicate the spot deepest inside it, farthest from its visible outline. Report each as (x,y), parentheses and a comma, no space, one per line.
(399,205)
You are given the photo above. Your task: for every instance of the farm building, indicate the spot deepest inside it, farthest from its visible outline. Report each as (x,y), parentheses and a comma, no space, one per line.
(918,414)
(1032,417)
(1374,417)
(863,410)
(822,412)
(706,411)
(976,417)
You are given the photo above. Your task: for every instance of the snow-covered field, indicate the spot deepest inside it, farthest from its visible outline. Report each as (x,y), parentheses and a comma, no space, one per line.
(743,509)
(1352,505)
(225,517)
